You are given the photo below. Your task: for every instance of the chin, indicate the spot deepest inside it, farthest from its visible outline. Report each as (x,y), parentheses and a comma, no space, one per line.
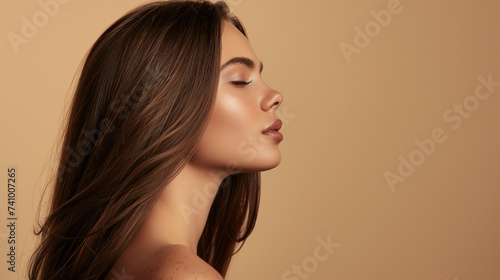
(263,163)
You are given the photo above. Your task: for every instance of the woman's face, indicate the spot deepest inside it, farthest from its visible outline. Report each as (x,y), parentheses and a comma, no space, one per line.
(236,137)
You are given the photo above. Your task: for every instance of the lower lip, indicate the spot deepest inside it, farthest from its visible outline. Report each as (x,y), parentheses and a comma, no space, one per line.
(275,135)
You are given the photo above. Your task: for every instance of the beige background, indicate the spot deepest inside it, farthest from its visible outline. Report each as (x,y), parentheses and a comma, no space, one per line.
(346,124)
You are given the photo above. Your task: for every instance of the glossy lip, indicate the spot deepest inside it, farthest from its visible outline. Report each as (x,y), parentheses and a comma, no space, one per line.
(273,130)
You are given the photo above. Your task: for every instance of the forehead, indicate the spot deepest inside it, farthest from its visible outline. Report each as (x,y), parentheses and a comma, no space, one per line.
(235,44)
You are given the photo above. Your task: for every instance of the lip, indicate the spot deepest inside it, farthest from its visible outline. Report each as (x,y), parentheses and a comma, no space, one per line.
(273,131)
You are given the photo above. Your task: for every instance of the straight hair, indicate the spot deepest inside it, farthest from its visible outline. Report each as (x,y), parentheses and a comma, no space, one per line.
(141,105)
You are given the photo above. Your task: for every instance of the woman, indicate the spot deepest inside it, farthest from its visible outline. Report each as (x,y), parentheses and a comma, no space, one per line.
(168,130)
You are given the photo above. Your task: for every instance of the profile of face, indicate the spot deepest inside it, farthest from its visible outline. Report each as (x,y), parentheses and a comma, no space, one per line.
(242,132)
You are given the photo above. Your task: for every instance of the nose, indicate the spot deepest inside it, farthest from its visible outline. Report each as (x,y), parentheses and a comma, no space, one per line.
(272,100)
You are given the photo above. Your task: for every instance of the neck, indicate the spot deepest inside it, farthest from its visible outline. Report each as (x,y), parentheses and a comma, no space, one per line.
(181,212)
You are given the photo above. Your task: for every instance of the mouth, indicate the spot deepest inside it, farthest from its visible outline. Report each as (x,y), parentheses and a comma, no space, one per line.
(273,131)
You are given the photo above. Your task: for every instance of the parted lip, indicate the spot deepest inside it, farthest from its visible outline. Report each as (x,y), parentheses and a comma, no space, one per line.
(275,126)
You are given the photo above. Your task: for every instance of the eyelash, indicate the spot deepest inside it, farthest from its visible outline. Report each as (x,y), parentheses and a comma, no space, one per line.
(241,83)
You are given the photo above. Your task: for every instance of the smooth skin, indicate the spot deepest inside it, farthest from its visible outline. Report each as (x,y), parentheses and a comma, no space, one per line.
(165,247)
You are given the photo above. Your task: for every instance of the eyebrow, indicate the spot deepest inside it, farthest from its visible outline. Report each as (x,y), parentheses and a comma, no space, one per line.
(242,60)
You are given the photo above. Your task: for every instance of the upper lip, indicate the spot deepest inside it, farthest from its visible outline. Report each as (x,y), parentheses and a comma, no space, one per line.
(276,125)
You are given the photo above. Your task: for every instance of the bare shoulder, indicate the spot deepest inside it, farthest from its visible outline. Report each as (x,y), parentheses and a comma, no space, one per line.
(177,262)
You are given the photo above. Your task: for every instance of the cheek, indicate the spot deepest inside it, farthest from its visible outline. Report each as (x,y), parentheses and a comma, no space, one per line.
(234,120)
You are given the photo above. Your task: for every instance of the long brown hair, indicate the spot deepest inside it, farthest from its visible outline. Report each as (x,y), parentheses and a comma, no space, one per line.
(141,105)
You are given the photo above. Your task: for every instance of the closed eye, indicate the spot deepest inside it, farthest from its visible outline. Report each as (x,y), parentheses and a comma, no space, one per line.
(241,83)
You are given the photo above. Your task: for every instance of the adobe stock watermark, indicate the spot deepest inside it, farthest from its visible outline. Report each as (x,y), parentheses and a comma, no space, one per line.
(202,197)
(363,37)
(31,26)
(310,264)
(254,144)
(454,117)
(84,147)
(121,106)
